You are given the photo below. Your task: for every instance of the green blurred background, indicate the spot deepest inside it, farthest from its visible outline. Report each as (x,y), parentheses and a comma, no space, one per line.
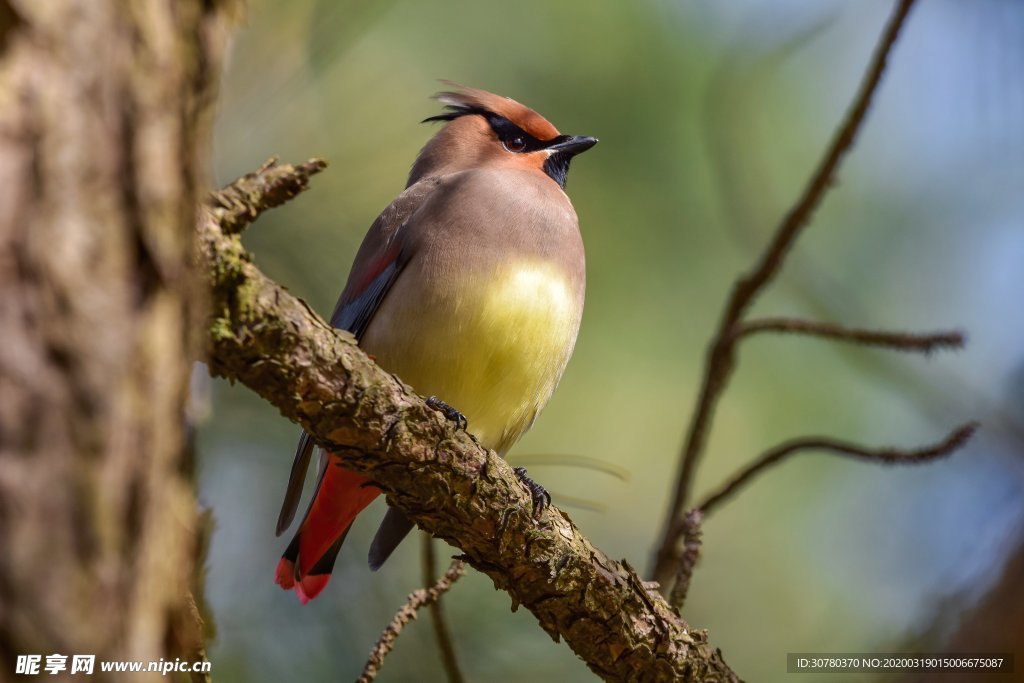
(710,115)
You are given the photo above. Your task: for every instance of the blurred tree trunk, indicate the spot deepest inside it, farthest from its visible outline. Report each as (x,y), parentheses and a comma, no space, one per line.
(102,113)
(991,624)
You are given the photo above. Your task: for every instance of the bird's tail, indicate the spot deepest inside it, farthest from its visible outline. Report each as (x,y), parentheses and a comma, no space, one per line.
(309,559)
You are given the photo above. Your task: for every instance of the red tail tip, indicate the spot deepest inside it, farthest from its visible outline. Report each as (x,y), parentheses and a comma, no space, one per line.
(311,586)
(285,574)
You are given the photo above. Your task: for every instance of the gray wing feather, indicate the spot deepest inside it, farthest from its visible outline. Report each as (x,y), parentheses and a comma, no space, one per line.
(395,527)
(356,315)
(295,480)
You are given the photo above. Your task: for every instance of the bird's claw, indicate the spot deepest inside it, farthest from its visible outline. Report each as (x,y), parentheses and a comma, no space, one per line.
(451,413)
(538,494)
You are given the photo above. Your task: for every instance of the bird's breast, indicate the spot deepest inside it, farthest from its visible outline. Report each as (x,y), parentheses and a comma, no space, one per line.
(527,300)
(493,343)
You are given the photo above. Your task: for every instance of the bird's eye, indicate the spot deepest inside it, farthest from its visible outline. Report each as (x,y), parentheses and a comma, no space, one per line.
(516,143)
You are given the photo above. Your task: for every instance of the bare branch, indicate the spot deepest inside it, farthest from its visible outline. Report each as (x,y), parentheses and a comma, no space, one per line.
(691,553)
(262,336)
(417,599)
(239,204)
(900,341)
(721,354)
(890,456)
(441,631)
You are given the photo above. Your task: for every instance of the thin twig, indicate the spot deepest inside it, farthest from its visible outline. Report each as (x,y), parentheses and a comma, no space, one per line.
(721,357)
(441,631)
(891,456)
(417,599)
(693,518)
(691,552)
(900,341)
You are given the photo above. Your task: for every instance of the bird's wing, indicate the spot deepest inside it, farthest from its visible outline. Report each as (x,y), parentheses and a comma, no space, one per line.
(377,265)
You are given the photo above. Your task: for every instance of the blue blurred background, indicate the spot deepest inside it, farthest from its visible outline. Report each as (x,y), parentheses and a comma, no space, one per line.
(711,116)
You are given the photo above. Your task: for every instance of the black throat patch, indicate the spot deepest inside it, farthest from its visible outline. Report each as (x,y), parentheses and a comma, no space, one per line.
(557,166)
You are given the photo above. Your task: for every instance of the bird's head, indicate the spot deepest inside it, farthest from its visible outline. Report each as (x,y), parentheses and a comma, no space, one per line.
(484,129)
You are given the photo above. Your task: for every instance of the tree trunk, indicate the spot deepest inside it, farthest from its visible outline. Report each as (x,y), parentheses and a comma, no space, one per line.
(101,115)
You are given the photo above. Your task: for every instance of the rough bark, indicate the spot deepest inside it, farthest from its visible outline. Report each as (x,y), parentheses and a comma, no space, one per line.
(101,115)
(272,342)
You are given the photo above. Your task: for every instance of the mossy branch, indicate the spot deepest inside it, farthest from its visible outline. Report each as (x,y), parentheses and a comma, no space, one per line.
(272,342)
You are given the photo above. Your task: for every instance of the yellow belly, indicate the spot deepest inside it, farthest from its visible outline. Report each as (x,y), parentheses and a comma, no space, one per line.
(494,350)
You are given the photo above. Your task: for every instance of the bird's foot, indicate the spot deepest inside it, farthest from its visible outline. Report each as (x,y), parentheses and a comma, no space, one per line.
(538,494)
(451,413)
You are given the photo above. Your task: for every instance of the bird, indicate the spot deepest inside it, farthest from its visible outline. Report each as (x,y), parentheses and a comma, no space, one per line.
(469,286)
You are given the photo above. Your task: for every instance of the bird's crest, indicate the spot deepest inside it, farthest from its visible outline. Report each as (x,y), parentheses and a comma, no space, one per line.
(465,101)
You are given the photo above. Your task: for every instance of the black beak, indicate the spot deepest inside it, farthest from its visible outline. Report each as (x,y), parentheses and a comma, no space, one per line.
(571,145)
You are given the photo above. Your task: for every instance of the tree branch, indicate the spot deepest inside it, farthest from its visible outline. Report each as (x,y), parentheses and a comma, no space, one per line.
(899,341)
(890,456)
(721,353)
(423,597)
(691,553)
(317,376)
